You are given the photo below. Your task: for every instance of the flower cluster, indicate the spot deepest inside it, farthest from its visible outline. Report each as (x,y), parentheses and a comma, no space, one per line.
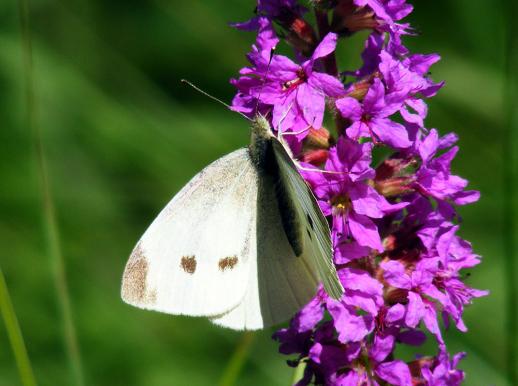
(393,220)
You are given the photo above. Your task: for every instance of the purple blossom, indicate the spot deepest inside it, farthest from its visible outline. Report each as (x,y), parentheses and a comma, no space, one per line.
(370,118)
(370,55)
(394,226)
(419,288)
(295,92)
(434,178)
(443,371)
(387,13)
(343,193)
(405,80)
(455,254)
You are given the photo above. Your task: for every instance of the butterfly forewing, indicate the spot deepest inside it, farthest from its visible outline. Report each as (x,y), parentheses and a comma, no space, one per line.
(317,241)
(196,256)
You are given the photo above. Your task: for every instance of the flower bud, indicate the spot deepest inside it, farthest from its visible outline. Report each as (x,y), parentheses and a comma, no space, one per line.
(318,138)
(349,18)
(316,145)
(315,157)
(394,186)
(394,166)
(394,176)
(300,34)
(359,89)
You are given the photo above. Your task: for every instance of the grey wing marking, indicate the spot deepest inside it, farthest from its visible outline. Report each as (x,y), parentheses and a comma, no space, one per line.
(317,235)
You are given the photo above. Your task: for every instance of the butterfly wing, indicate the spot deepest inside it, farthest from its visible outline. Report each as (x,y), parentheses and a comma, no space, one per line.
(315,229)
(280,282)
(196,256)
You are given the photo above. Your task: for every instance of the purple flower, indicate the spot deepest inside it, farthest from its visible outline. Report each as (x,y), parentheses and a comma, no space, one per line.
(298,92)
(362,292)
(370,55)
(419,288)
(343,193)
(387,13)
(443,371)
(371,117)
(296,338)
(405,80)
(434,178)
(266,40)
(455,254)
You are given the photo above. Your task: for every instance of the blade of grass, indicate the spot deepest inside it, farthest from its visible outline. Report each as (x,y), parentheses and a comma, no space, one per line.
(237,360)
(15,335)
(49,215)
(510,12)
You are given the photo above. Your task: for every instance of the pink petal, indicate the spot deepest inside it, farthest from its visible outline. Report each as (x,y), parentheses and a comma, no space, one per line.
(350,108)
(415,309)
(391,133)
(394,273)
(326,46)
(364,231)
(396,373)
(330,85)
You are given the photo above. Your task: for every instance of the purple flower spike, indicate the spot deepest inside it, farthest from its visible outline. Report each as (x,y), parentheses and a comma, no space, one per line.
(394,225)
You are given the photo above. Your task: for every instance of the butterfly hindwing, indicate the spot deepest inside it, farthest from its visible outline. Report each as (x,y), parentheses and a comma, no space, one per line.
(280,282)
(314,227)
(196,256)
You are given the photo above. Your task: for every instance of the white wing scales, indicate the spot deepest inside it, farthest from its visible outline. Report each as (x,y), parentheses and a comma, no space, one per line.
(219,248)
(195,258)
(280,283)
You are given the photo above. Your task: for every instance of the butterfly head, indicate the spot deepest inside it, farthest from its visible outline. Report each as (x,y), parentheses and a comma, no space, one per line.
(261,135)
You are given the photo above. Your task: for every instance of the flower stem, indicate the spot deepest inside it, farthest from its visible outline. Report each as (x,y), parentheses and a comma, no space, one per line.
(510,212)
(238,359)
(15,335)
(329,61)
(49,215)
(323,29)
(298,373)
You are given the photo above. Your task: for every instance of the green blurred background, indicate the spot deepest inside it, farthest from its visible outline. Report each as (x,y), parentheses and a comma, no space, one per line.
(122,135)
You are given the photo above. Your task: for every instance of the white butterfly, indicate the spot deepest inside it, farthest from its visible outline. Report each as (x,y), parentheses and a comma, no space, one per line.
(243,243)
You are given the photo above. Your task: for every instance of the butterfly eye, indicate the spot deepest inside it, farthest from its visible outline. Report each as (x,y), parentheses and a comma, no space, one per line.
(228,262)
(188,264)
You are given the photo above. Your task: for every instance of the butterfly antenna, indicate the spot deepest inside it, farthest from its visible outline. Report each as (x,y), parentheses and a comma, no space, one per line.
(264,81)
(212,97)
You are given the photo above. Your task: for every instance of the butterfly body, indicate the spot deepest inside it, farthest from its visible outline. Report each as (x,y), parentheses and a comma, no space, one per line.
(236,244)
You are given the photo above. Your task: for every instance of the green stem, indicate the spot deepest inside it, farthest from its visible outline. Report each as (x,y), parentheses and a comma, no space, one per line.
(238,359)
(298,373)
(330,64)
(49,215)
(15,335)
(323,29)
(510,10)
